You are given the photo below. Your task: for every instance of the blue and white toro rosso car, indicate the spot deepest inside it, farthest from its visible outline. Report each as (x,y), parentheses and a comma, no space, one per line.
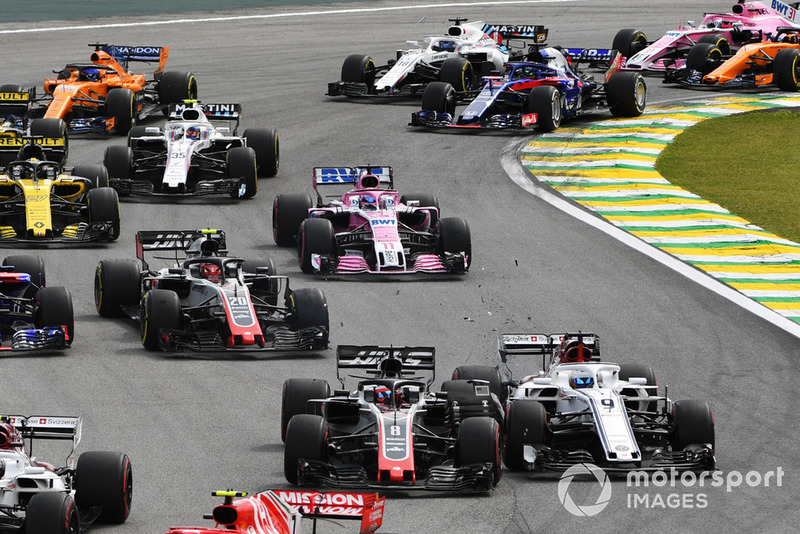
(538,93)
(193,156)
(467,52)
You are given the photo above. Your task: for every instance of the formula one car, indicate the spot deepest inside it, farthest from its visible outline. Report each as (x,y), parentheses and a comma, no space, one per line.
(282,511)
(369,228)
(391,431)
(460,58)
(579,409)
(40,202)
(103,97)
(39,498)
(32,316)
(16,128)
(539,93)
(749,22)
(191,156)
(774,62)
(208,301)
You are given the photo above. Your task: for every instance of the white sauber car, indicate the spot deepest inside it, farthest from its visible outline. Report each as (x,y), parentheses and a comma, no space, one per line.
(461,57)
(38,498)
(193,156)
(579,409)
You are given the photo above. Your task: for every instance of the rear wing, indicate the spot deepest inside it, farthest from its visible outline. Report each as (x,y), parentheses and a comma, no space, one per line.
(347,178)
(49,427)
(593,56)
(384,361)
(55,148)
(366,507)
(225,112)
(176,240)
(123,54)
(530,345)
(16,103)
(499,32)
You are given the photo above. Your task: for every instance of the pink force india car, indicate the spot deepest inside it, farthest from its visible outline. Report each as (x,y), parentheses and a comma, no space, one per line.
(282,511)
(749,22)
(370,228)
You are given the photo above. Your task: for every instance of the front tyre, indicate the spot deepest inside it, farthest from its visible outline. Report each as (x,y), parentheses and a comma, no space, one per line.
(310,310)
(242,164)
(629,41)
(439,97)
(316,236)
(104,208)
(479,443)
(306,439)
(458,72)
(626,93)
(454,238)
(545,102)
(786,68)
(54,309)
(160,310)
(120,106)
(51,512)
(358,68)
(525,424)
(704,57)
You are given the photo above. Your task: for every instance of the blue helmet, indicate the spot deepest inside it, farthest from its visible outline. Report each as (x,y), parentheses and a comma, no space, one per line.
(580,382)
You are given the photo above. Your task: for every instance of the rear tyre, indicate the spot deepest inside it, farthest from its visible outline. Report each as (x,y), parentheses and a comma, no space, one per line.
(545,102)
(704,57)
(54,308)
(105,479)
(439,97)
(454,237)
(629,41)
(51,512)
(693,424)
(96,174)
(104,207)
(288,211)
(786,68)
(479,443)
(359,69)
(116,285)
(458,72)
(296,394)
(316,236)
(264,141)
(161,310)
(242,165)
(306,439)
(482,372)
(118,161)
(626,93)
(29,264)
(175,87)
(425,200)
(641,370)
(525,424)
(310,309)
(120,106)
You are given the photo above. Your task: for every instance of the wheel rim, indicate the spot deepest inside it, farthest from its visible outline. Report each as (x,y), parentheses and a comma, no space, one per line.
(555,105)
(640,94)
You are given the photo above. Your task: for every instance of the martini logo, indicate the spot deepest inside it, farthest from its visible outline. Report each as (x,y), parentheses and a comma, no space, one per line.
(584,471)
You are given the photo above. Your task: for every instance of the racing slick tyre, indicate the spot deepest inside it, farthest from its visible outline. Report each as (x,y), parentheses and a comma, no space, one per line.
(642,370)
(296,394)
(626,94)
(464,401)
(693,423)
(316,236)
(174,87)
(359,69)
(629,41)
(458,72)
(138,131)
(242,164)
(121,106)
(118,161)
(54,308)
(454,237)
(525,424)
(116,285)
(265,143)
(786,69)
(105,479)
(545,102)
(29,264)
(161,310)
(479,443)
(52,512)
(104,207)
(96,174)
(424,200)
(288,211)
(720,41)
(306,439)
(704,57)
(439,97)
(482,372)
(51,129)
(309,308)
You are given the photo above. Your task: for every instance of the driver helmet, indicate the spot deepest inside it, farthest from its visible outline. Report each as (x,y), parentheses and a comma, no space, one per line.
(193,132)
(91,75)
(211,272)
(368,203)
(383,395)
(581,382)
(446,46)
(7,435)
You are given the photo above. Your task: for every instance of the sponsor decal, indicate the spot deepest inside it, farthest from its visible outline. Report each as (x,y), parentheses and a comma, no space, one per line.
(19,141)
(529,119)
(784,9)
(17,97)
(313,497)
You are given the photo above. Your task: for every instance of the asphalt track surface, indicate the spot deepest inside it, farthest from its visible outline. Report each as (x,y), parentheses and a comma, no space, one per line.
(192,425)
